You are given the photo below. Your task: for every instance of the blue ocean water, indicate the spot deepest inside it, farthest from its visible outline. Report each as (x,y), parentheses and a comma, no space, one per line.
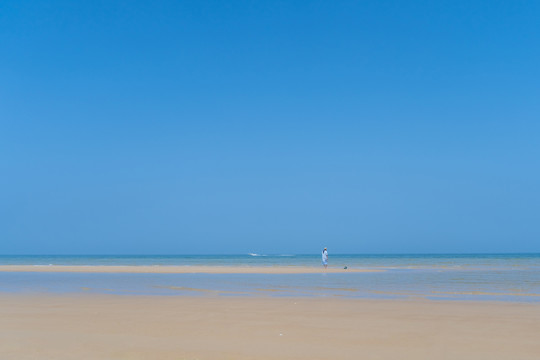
(385,261)
(503,277)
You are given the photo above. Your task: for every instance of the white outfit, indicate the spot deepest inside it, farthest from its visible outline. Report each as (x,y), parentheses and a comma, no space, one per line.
(325,257)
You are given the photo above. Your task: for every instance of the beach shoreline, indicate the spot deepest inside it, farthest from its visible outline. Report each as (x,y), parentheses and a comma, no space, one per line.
(181,269)
(89,326)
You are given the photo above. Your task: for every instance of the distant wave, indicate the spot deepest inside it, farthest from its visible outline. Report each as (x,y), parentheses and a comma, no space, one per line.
(280,255)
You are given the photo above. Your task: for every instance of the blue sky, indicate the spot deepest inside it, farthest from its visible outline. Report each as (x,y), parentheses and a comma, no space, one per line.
(189,127)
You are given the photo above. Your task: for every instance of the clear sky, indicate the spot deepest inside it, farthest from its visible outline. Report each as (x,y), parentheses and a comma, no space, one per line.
(195,127)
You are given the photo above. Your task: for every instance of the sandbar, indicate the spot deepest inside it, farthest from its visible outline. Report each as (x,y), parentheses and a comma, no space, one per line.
(180,269)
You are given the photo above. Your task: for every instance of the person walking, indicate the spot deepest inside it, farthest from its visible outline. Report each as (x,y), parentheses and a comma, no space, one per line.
(325,258)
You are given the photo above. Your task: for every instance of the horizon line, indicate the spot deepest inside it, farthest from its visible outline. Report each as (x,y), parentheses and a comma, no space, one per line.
(283,254)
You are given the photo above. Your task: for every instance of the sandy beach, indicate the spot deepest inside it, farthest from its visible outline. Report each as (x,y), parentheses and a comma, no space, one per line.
(183,327)
(142,269)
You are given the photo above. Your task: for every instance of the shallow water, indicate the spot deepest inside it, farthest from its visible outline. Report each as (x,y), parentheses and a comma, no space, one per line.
(507,277)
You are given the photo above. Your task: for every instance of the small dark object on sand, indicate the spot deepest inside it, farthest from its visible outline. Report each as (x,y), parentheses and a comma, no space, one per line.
(345,268)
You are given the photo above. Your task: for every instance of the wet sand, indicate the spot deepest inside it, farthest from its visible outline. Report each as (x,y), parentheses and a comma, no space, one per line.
(168,269)
(183,327)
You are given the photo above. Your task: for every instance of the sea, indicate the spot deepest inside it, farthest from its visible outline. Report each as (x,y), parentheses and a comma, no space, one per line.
(469,277)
